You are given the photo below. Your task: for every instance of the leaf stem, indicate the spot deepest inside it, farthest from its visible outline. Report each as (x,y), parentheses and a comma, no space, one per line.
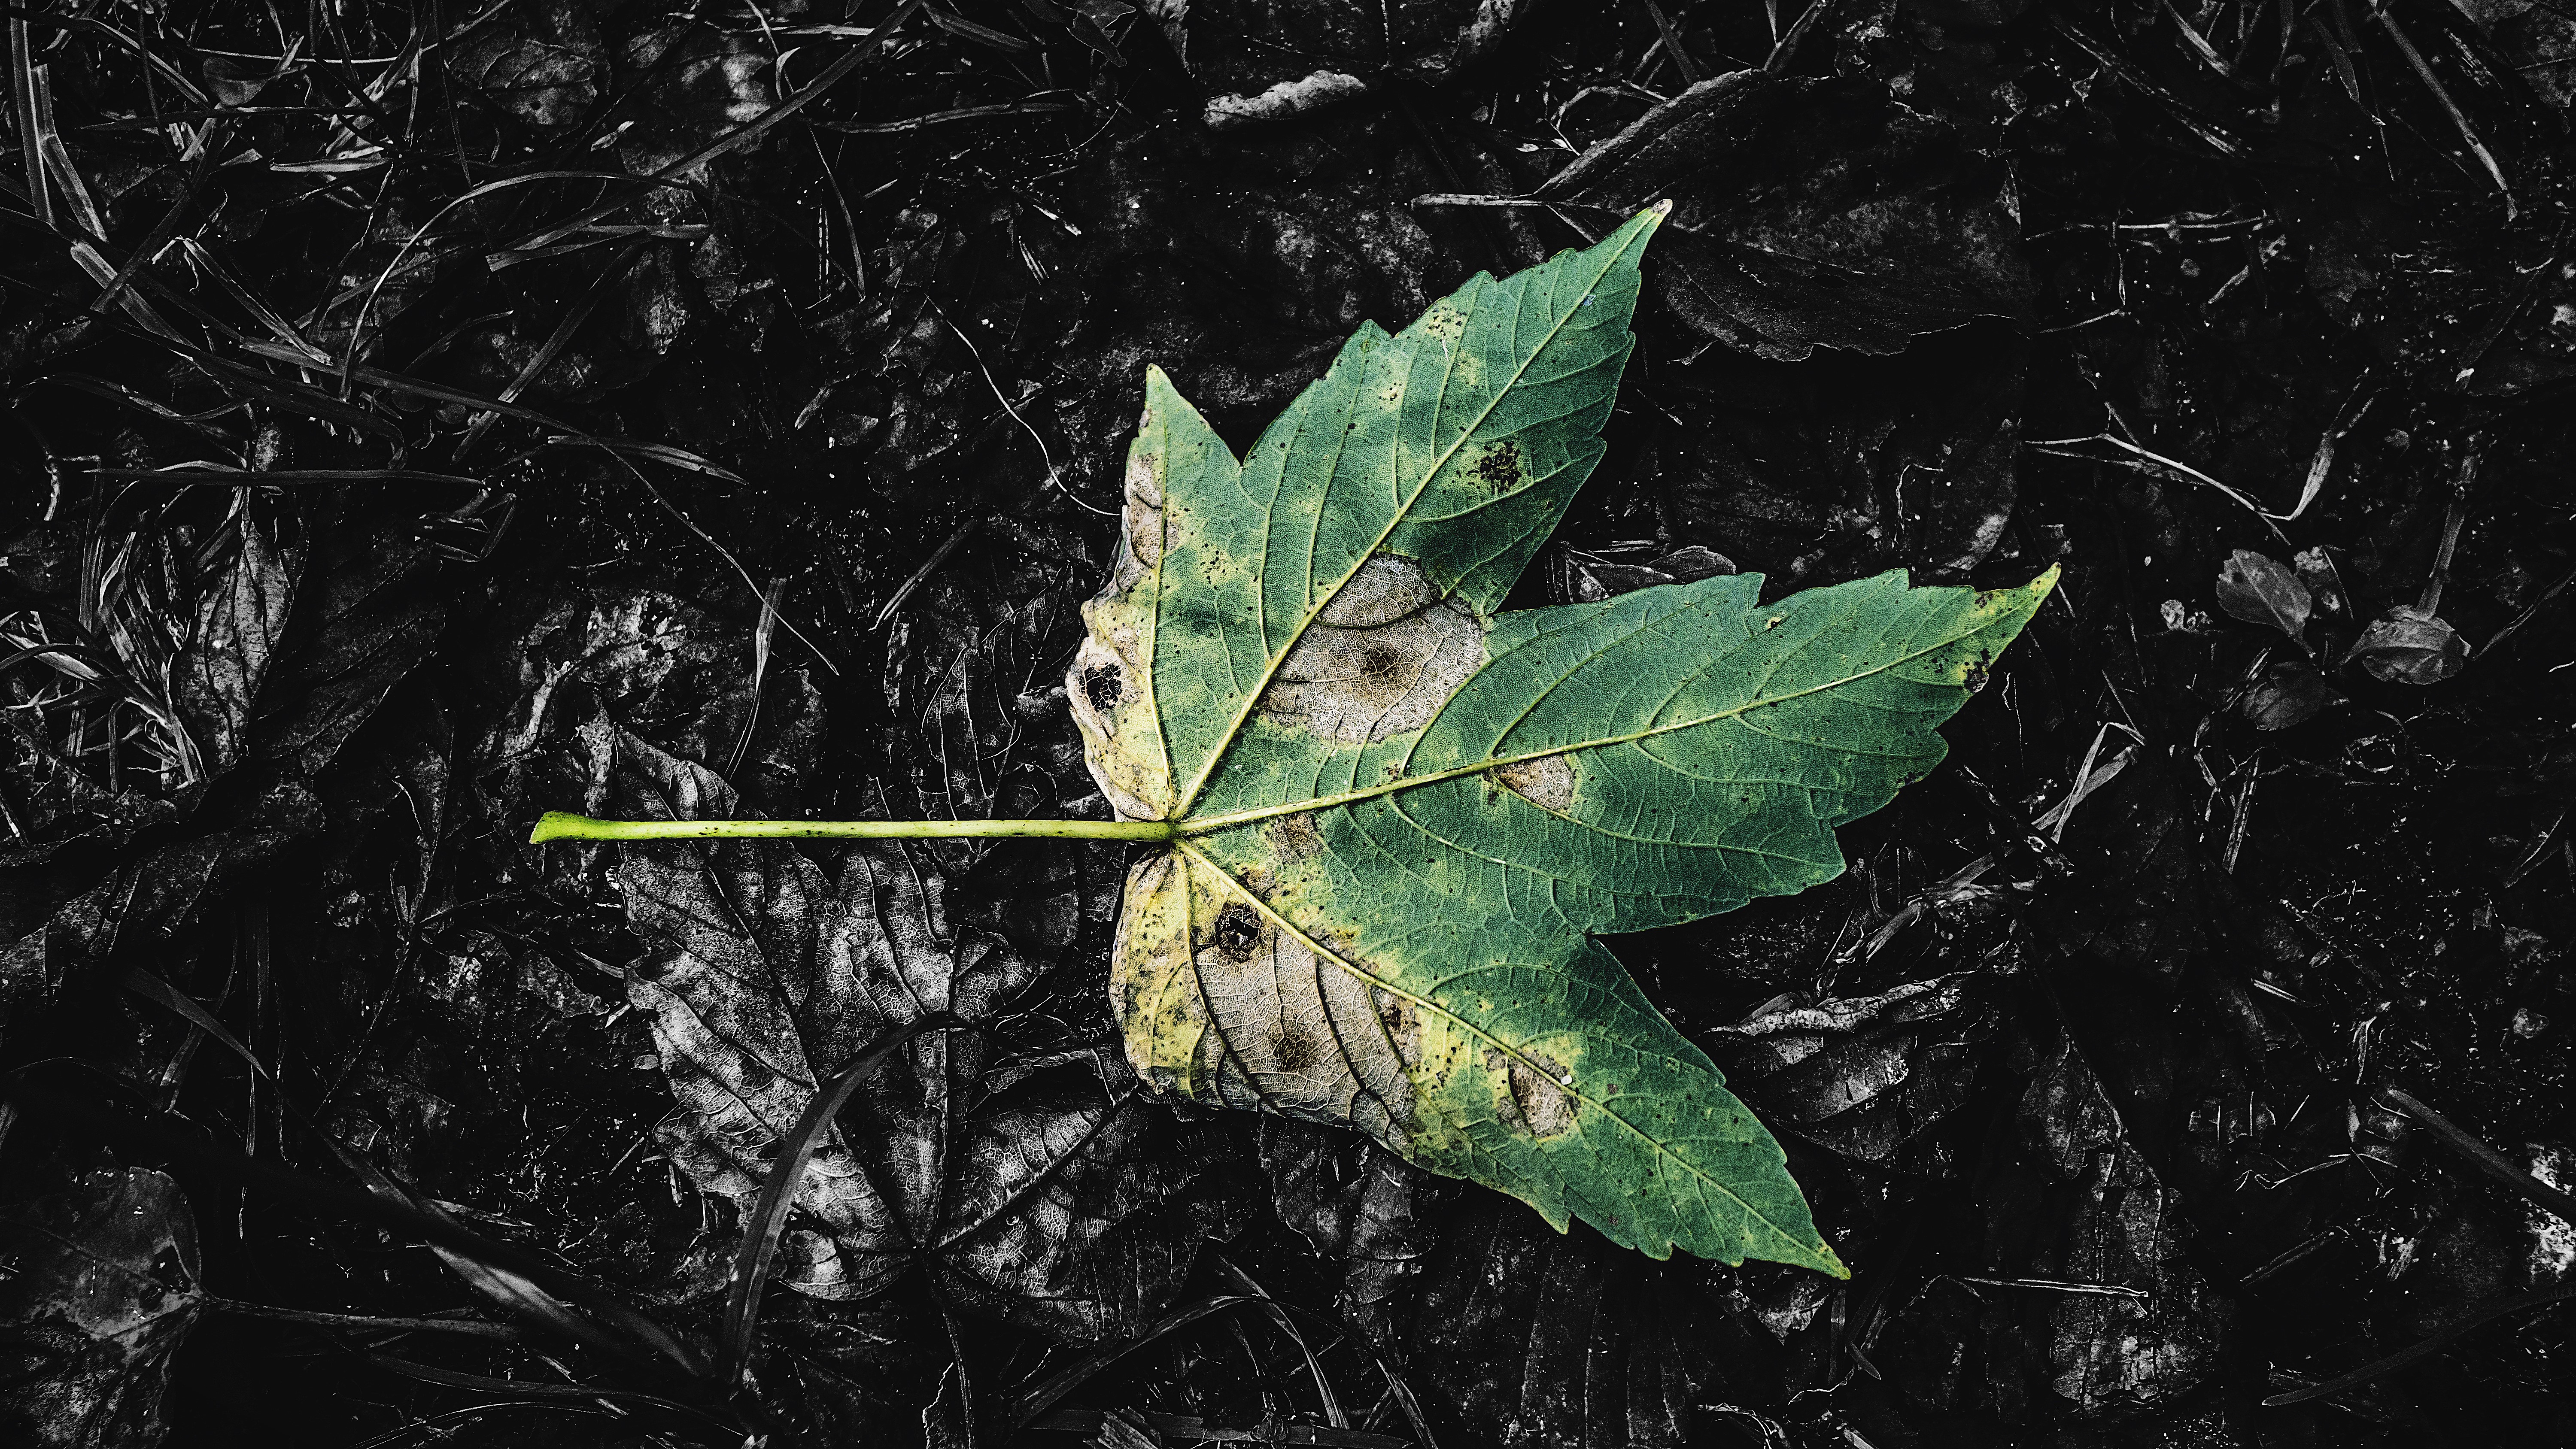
(556,825)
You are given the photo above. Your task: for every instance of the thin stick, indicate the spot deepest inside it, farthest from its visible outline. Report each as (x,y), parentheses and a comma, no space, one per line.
(2476,147)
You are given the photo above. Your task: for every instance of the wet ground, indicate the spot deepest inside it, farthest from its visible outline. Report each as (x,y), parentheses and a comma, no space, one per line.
(2196,1037)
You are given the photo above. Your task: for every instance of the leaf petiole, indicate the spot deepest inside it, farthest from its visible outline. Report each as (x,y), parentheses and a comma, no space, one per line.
(557,825)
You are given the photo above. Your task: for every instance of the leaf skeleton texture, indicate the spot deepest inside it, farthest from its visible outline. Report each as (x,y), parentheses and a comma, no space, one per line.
(1046,1194)
(1400,817)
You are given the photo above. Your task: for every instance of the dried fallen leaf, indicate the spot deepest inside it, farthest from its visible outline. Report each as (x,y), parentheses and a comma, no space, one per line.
(2291,692)
(1861,1076)
(2409,646)
(1272,60)
(2261,590)
(98,1287)
(1037,1187)
(1808,214)
(542,63)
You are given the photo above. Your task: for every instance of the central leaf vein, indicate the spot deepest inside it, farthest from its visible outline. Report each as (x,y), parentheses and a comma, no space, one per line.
(1496,762)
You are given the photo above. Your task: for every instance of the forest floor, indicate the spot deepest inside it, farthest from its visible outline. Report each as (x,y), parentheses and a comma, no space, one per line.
(418,416)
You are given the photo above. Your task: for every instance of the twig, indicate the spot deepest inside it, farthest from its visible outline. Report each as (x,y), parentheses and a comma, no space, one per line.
(928,567)
(2488,1160)
(1672,42)
(2424,71)
(2144,461)
(2483,1314)
(2430,602)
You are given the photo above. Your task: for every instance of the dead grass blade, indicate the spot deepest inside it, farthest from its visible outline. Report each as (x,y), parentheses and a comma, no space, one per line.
(1332,1403)
(2432,82)
(2488,1160)
(200,474)
(369,1323)
(578,1393)
(181,1141)
(2485,1313)
(758,1253)
(1074,1375)
(152,988)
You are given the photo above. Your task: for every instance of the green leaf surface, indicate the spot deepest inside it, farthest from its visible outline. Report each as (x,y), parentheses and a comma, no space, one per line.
(1400,818)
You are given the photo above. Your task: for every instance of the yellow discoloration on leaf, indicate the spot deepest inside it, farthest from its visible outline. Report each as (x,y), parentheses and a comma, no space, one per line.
(1402,816)
(1151,979)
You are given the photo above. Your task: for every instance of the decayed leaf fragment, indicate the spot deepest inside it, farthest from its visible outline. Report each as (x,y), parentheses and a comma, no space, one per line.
(1039,1190)
(98,1289)
(1400,817)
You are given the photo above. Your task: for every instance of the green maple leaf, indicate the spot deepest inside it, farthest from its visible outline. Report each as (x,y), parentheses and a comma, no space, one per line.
(1393,820)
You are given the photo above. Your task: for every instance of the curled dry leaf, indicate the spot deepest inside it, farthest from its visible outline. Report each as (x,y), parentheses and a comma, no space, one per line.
(1042,1191)
(2409,646)
(1809,214)
(2108,1219)
(1269,61)
(1861,1076)
(1399,817)
(2261,590)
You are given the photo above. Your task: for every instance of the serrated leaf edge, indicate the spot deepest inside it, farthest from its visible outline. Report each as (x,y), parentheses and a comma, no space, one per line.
(1818,1254)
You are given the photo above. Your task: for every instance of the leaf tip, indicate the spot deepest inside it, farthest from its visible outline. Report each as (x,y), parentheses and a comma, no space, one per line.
(1661,209)
(1830,1263)
(2024,601)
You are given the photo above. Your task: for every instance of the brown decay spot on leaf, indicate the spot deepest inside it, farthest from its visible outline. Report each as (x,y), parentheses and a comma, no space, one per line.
(1298,1049)
(1379,660)
(1237,933)
(1396,1015)
(1113,647)
(1295,837)
(1144,512)
(1547,782)
(1537,1097)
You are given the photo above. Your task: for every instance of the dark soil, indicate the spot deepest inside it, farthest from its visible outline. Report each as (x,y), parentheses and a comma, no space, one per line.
(379,447)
